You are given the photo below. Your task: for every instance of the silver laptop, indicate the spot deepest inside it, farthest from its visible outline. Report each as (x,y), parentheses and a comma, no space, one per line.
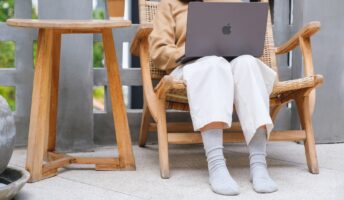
(225,29)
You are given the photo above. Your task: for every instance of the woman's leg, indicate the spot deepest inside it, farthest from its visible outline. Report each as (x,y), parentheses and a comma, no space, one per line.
(253,82)
(252,88)
(210,93)
(259,175)
(220,180)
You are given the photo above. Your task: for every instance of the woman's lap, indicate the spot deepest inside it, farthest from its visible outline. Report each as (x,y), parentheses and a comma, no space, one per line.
(210,87)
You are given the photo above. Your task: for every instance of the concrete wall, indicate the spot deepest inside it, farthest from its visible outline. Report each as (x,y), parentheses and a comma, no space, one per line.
(328,51)
(75,115)
(20,76)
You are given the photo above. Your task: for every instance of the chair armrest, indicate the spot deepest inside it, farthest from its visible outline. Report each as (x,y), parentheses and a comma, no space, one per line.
(148,91)
(306,32)
(302,38)
(142,33)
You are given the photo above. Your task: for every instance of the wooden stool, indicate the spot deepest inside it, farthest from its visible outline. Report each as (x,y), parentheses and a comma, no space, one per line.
(42,161)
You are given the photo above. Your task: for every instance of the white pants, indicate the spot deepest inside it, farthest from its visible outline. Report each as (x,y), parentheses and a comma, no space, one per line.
(214,84)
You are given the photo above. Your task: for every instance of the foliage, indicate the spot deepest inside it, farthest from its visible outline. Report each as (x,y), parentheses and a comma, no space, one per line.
(7,50)
(98,57)
(98,47)
(8,92)
(6,9)
(99,96)
(98,13)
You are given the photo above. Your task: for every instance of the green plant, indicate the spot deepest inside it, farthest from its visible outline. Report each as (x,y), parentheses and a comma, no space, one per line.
(7,52)
(8,92)
(98,52)
(6,9)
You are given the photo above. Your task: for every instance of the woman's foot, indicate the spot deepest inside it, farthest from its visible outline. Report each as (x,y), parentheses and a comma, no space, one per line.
(220,180)
(259,175)
(261,180)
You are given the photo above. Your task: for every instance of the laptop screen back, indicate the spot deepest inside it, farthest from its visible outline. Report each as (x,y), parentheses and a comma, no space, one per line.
(226,29)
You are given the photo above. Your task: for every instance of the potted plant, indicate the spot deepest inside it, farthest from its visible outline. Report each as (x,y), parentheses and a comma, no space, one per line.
(12,179)
(7,134)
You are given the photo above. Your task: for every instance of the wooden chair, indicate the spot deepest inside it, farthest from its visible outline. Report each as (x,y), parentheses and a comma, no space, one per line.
(171,94)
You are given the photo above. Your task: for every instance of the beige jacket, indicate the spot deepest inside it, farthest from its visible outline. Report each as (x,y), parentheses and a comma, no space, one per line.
(167,40)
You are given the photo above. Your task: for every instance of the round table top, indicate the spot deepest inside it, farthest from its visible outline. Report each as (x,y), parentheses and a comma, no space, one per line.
(69,24)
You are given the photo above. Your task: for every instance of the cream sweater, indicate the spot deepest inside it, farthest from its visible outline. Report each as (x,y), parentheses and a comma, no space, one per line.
(167,40)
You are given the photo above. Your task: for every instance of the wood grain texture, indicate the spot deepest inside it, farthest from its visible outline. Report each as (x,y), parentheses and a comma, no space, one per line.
(142,33)
(196,138)
(123,138)
(306,32)
(115,8)
(42,161)
(145,119)
(306,50)
(55,75)
(149,94)
(303,109)
(69,24)
(40,109)
(54,165)
(187,127)
(163,141)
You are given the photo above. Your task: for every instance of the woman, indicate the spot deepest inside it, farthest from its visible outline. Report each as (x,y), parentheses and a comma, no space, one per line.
(213,84)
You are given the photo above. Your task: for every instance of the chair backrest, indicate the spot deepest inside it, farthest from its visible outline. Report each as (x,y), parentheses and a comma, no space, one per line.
(148,9)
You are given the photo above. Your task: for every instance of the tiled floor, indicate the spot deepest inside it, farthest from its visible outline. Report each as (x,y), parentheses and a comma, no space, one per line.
(189,178)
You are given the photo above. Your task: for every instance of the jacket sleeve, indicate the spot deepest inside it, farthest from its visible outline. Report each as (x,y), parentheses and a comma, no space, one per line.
(163,50)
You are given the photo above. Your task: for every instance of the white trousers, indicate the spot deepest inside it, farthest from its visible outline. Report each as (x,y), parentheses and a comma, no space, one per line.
(214,84)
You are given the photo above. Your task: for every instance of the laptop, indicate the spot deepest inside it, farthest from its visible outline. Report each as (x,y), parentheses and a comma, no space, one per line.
(225,29)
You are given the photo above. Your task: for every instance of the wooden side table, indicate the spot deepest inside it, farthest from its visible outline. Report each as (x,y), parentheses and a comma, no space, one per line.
(42,160)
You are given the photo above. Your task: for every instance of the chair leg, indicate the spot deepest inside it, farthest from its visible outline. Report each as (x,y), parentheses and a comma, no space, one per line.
(163,144)
(144,125)
(303,107)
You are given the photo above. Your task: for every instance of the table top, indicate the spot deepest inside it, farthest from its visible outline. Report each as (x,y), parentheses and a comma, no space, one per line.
(69,24)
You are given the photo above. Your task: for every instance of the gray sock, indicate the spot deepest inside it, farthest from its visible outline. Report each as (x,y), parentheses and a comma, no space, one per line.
(262,183)
(220,180)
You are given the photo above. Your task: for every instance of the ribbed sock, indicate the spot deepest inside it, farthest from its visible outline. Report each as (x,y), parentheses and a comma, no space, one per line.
(262,182)
(220,180)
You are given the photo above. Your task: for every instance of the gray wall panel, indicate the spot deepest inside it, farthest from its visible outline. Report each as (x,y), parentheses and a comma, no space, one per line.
(328,49)
(281,30)
(21,76)
(75,114)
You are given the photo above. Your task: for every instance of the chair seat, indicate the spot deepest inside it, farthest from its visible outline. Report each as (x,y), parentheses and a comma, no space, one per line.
(177,98)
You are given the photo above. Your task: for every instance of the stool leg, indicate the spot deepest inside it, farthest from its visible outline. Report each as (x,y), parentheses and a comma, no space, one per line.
(126,156)
(39,118)
(54,92)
